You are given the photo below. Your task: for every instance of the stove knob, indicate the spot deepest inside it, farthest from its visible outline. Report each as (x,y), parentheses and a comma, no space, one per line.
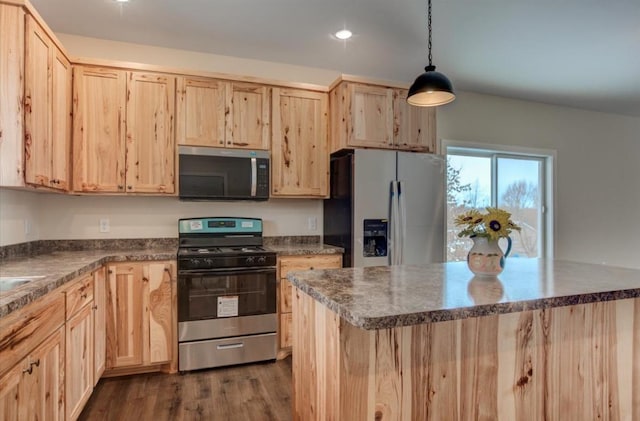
(262,259)
(250,260)
(194,262)
(208,262)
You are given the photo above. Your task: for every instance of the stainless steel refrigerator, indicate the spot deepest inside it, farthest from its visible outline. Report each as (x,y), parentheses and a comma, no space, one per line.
(386,207)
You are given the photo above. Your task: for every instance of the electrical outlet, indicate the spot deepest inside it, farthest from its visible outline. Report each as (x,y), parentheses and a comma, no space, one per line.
(104,225)
(27,227)
(312,223)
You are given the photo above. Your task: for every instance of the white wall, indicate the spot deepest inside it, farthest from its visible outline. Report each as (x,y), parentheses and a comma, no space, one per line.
(111,50)
(19,213)
(56,216)
(71,217)
(597,168)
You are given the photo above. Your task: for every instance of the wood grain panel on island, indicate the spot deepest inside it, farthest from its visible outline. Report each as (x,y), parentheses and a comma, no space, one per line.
(578,361)
(567,363)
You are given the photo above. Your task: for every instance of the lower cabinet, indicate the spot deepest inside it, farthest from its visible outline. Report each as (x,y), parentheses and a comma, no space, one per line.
(288,264)
(79,355)
(139,316)
(99,324)
(54,350)
(34,388)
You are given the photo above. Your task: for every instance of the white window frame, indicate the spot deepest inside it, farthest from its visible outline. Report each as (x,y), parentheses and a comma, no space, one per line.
(548,157)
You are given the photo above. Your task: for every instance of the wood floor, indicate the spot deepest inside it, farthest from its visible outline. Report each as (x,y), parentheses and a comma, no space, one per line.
(251,392)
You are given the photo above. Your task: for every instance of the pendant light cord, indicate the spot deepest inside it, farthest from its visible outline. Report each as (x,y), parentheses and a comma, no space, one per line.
(429,29)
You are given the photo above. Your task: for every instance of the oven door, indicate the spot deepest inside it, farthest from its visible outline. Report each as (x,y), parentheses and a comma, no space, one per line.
(226,293)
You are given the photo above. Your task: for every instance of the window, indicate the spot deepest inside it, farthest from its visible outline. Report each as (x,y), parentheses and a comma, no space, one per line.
(517,181)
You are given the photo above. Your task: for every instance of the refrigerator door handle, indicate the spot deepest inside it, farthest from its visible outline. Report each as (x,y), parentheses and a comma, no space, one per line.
(394,224)
(402,222)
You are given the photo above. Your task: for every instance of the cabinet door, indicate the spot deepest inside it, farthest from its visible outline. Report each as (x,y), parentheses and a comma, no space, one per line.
(11,100)
(300,161)
(79,361)
(414,127)
(99,324)
(201,112)
(371,116)
(41,389)
(98,129)
(124,315)
(248,116)
(10,393)
(158,312)
(37,100)
(150,140)
(60,121)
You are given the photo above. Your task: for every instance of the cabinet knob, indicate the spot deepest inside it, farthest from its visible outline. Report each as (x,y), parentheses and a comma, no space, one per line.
(129,187)
(120,187)
(94,307)
(83,296)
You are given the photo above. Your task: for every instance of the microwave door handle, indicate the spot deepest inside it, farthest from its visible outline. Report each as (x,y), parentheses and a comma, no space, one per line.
(254,177)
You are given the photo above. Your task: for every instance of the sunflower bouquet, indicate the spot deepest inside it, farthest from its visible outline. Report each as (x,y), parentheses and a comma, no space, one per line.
(494,224)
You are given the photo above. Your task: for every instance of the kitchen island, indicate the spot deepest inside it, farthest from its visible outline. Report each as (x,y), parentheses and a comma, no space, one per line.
(547,339)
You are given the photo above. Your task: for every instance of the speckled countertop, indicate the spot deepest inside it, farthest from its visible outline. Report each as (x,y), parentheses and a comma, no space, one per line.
(60,267)
(384,297)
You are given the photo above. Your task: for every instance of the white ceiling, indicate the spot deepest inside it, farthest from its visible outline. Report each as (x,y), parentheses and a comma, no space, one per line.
(578,53)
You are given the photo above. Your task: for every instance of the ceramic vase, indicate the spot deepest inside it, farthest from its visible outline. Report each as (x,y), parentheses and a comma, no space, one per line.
(486,258)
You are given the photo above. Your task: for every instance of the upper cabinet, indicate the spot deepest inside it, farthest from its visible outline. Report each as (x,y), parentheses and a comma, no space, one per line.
(414,127)
(219,113)
(123,138)
(371,116)
(47,117)
(299,143)
(11,96)
(150,154)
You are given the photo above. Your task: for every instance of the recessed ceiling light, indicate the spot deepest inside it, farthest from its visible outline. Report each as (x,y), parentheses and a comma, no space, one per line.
(343,34)
(121,1)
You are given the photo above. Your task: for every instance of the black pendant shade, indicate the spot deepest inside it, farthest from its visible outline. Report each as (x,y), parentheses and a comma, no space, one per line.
(431,88)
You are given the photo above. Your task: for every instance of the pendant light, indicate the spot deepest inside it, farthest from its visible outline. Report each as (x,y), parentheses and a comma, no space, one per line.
(431,88)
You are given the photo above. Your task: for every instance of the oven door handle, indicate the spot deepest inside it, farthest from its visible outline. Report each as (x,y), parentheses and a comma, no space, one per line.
(226,271)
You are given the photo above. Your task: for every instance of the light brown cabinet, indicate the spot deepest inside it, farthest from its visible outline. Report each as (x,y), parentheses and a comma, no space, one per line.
(414,127)
(371,116)
(11,99)
(34,388)
(219,113)
(123,136)
(139,319)
(79,337)
(299,143)
(99,324)
(288,264)
(47,105)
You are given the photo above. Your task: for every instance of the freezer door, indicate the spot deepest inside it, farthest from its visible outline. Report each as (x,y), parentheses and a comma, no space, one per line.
(374,171)
(422,180)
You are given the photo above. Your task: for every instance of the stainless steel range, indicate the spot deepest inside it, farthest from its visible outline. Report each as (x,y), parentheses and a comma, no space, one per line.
(226,293)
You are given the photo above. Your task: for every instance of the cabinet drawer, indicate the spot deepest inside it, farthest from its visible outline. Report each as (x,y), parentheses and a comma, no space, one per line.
(286,327)
(294,263)
(285,296)
(79,294)
(22,330)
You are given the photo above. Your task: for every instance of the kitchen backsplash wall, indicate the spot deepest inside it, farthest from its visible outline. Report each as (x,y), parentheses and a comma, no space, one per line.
(19,216)
(54,216)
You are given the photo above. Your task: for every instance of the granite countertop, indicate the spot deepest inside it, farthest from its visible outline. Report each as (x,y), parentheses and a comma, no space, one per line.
(391,296)
(59,267)
(304,249)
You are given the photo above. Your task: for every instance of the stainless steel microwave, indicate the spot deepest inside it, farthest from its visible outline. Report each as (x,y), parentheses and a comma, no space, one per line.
(222,174)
